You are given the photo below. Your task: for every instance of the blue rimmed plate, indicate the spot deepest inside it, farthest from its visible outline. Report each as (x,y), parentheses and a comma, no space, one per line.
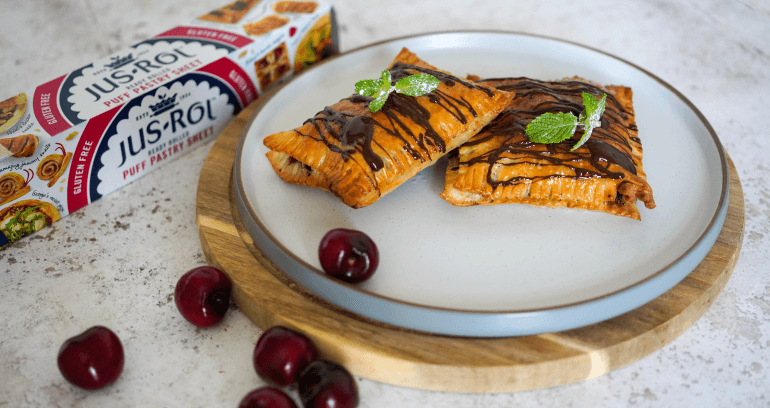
(492,271)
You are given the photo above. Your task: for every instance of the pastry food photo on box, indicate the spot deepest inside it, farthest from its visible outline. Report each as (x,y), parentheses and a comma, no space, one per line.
(295,6)
(230,13)
(74,139)
(19,146)
(11,110)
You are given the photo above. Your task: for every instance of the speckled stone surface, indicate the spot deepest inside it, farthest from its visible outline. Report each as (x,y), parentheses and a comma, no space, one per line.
(115,262)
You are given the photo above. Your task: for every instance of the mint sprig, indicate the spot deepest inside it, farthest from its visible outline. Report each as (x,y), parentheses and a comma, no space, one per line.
(413,85)
(555,127)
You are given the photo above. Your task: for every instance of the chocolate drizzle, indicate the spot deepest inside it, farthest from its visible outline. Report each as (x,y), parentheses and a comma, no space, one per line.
(351,129)
(608,145)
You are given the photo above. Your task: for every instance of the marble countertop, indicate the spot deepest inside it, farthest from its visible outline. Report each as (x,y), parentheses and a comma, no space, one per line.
(116,261)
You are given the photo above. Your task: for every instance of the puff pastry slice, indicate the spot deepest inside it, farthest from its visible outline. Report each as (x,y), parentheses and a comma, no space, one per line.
(361,156)
(500,164)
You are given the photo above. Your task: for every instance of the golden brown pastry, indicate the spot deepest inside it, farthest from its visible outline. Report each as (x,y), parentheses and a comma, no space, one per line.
(11,110)
(13,185)
(20,146)
(53,166)
(265,25)
(295,6)
(25,217)
(361,156)
(231,13)
(501,165)
(293,171)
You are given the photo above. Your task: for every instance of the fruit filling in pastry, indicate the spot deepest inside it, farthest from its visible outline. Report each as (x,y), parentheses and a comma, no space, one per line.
(360,155)
(273,66)
(502,165)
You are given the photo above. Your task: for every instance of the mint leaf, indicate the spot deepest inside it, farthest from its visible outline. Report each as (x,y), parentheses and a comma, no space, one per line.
(594,106)
(591,117)
(417,85)
(552,127)
(386,80)
(583,139)
(555,127)
(372,87)
(413,85)
(378,102)
(368,87)
(592,114)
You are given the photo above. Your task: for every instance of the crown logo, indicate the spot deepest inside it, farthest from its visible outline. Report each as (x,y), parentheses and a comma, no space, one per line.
(118,62)
(163,105)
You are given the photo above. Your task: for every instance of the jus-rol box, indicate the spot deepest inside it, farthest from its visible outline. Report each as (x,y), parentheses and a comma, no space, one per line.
(72,140)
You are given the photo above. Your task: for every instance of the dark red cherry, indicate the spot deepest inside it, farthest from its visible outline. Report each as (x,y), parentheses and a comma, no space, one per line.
(267,397)
(281,354)
(348,255)
(93,359)
(323,384)
(202,296)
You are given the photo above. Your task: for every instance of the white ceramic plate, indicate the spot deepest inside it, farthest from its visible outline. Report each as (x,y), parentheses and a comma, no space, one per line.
(492,270)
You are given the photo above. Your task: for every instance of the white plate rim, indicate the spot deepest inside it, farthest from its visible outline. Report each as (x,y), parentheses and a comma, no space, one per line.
(482,323)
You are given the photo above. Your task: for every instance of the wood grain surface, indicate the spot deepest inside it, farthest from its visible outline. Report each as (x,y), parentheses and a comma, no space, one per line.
(420,360)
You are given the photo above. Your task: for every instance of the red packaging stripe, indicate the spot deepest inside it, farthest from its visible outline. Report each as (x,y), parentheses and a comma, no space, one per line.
(45,104)
(80,167)
(234,75)
(206,33)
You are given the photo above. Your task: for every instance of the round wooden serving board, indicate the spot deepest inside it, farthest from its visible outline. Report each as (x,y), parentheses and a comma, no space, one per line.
(420,360)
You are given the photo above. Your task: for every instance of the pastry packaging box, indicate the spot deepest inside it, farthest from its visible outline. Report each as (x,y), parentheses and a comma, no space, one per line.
(70,141)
